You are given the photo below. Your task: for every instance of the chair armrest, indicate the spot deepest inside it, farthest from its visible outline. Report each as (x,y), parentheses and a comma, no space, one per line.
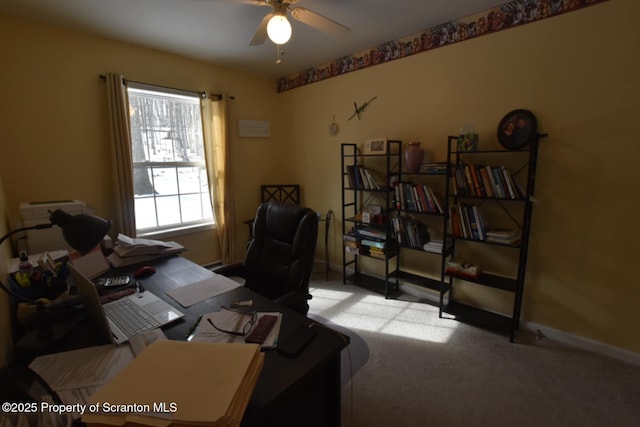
(235,269)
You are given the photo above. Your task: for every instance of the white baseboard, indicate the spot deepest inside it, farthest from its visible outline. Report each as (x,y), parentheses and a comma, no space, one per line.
(584,343)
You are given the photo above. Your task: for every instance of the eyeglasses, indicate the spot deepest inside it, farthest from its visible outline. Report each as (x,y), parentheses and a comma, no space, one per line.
(245,329)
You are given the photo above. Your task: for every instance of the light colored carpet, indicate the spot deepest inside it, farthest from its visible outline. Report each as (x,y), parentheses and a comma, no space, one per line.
(411,368)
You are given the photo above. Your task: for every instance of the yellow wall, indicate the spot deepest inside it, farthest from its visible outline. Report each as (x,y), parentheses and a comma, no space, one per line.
(55,134)
(55,142)
(578,73)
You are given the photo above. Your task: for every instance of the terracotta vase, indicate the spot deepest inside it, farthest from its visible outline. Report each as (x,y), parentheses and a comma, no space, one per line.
(413,157)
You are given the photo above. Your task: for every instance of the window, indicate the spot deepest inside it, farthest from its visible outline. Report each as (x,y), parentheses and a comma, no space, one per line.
(169,173)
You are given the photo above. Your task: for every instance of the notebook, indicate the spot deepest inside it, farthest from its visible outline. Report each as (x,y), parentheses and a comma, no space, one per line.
(128,316)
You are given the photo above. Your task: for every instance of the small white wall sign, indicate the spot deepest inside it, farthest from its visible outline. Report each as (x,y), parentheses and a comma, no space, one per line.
(253,129)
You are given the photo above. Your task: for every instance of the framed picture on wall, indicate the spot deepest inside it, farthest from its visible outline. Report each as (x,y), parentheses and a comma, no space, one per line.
(375,146)
(517,129)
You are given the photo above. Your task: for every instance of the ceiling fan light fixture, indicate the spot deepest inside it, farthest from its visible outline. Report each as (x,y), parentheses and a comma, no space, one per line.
(279,29)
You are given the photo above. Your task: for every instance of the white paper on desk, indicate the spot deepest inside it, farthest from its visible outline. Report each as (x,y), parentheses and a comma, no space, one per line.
(232,321)
(204,289)
(86,367)
(142,341)
(92,264)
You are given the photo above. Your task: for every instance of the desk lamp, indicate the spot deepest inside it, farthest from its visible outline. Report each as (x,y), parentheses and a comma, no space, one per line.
(83,233)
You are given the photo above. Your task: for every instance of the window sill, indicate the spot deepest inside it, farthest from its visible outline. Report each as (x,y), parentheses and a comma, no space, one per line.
(178,231)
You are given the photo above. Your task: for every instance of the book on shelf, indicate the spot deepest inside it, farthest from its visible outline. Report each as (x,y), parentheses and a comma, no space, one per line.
(504,236)
(439,168)
(455,221)
(486,181)
(377,252)
(433,246)
(350,237)
(369,232)
(503,232)
(373,243)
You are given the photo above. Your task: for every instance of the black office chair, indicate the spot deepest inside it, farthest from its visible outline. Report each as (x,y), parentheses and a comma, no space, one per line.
(280,256)
(285,193)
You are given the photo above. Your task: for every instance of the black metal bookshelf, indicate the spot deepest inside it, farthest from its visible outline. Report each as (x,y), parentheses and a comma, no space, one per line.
(513,284)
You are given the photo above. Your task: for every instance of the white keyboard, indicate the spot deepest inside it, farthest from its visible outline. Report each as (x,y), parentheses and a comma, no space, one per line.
(129,317)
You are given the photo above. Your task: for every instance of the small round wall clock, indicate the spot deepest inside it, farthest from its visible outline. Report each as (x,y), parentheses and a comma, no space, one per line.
(334,128)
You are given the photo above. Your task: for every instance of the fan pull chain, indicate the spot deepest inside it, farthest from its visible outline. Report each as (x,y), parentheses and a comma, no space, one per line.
(278,53)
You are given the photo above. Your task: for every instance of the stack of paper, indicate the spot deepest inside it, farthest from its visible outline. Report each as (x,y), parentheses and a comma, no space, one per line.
(128,251)
(178,383)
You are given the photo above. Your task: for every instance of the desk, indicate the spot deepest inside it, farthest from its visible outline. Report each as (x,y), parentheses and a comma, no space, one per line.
(290,392)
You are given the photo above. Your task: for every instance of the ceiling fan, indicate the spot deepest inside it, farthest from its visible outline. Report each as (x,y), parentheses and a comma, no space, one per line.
(276,26)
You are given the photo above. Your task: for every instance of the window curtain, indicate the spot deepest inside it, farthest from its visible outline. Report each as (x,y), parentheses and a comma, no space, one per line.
(215,113)
(119,131)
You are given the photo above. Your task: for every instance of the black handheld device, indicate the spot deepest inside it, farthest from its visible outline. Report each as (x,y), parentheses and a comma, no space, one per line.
(293,343)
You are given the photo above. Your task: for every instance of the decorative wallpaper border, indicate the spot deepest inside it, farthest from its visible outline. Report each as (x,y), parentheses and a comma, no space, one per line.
(503,17)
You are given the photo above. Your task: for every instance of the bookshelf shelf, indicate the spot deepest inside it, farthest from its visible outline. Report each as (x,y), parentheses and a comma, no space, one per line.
(418,280)
(480,318)
(490,280)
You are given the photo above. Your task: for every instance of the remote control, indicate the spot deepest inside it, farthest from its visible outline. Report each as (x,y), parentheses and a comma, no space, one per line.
(262,329)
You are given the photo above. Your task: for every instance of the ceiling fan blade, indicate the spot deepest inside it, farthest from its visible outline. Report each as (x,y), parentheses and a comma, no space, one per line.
(253,2)
(261,32)
(319,22)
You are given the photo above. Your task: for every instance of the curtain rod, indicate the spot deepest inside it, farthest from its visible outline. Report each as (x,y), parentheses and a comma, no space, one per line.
(203,94)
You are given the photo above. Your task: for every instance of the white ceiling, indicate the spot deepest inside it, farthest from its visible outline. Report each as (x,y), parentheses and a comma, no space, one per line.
(219,31)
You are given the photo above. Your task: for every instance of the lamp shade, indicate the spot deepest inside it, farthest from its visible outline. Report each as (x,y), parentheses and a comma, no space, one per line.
(279,29)
(82,232)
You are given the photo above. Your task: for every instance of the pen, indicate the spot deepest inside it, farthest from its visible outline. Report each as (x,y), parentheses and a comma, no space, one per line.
(193,327)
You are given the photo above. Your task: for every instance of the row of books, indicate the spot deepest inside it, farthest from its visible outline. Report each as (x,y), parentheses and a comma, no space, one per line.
(410,232)
(361,178)
(417,198)
(370,247)
(467,221)
(485,181)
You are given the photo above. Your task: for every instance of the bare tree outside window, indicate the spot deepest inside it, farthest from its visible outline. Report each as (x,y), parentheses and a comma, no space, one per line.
(170,178)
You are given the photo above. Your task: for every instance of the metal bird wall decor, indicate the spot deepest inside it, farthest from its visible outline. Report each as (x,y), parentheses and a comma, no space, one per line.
(360,109)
